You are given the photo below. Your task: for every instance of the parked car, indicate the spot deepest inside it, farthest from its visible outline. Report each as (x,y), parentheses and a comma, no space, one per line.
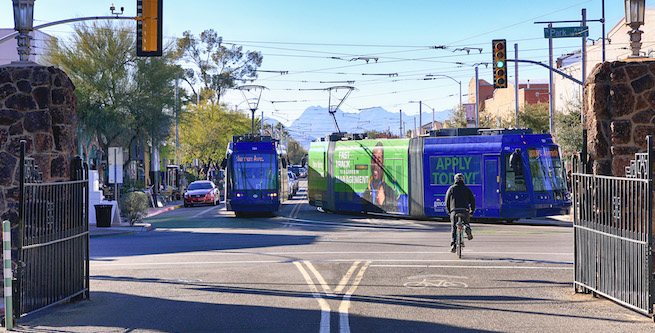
(293,184)
(202,192)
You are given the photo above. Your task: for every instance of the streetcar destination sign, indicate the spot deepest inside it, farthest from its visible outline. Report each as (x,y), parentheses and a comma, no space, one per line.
(566,32)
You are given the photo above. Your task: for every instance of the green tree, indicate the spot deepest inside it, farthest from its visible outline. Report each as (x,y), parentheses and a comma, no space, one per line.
(457,117)
(536,117)
(295,152)
(98,58)
(206,129)
(121,98)
(218,67)
(568,128)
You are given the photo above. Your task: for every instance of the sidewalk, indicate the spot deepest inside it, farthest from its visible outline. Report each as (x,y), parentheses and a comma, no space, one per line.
(125,228)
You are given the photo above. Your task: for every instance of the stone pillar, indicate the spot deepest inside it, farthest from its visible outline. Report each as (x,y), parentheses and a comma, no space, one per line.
(37,104)
(619,110)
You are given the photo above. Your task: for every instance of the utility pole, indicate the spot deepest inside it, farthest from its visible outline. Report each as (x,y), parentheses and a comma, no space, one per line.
(477,98)
(584,55)
(602,20)
(550,80)
(516,86)
(177,128)
(401,125)
(420,118)
(414,135)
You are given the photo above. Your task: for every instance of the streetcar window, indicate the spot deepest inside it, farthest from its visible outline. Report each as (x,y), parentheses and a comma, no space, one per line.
(546,169)
(255,172)
(514,176)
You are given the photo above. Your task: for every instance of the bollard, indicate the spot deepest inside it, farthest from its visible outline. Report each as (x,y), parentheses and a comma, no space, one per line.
(6,253)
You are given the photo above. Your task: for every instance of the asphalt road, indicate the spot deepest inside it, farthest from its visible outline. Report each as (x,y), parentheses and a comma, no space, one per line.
(204,270)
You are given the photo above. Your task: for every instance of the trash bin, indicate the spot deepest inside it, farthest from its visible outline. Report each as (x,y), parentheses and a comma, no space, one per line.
(103,215)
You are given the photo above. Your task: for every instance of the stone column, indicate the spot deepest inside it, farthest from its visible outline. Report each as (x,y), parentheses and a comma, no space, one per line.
(619,104)
(37,105)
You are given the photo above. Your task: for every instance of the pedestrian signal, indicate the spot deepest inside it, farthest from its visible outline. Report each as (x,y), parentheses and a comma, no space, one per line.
(499,51)
(148,28)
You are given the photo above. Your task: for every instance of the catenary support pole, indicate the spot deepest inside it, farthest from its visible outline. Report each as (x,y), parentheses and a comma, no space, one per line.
(516,84)
(477,98)
(550,81)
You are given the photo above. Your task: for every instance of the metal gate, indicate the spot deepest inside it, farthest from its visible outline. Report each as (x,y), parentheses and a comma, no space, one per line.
(52,248)
(613,233)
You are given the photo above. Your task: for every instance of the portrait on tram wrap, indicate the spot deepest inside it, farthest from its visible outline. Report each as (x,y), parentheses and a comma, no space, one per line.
(373,174)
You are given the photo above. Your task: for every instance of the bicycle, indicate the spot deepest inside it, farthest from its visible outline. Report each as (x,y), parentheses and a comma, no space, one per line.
(459,237)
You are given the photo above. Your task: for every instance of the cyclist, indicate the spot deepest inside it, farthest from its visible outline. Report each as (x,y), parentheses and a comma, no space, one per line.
(459,199)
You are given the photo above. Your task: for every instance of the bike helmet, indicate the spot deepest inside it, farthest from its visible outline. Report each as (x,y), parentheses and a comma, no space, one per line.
(459,177)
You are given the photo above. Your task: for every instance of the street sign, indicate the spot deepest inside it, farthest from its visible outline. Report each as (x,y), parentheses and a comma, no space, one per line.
(566,32)
(115,158)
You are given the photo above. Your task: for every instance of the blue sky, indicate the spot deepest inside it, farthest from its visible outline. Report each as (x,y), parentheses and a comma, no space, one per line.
(315,41)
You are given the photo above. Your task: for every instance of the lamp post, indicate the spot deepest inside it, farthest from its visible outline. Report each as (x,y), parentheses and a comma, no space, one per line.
(458,82)
(23,23)
(253,103)
(634,17)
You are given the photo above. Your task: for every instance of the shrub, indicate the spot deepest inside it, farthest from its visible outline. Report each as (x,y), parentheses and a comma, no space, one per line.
(134,206)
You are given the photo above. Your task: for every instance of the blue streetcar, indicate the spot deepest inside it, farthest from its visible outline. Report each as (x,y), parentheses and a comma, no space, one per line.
(512,173)
(256,174)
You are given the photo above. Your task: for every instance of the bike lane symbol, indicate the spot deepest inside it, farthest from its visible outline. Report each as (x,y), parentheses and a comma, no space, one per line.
(435,281)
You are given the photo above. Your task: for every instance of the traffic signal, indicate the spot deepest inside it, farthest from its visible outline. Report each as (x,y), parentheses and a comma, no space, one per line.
(500,63)
(148,28)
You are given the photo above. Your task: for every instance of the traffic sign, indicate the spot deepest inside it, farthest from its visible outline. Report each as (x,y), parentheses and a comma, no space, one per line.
(582,31)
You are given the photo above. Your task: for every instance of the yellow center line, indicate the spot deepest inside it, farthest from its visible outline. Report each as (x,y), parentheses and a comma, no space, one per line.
(346,278)
(325,307)
(320,279)
(344,324)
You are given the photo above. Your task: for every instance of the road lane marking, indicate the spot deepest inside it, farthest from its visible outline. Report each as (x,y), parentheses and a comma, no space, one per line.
(344,306)
(346,278)
(325,307)
(434,280)
(219,252)
(474,267)
(320,279)
(206,210)
(100,262)
(344,322)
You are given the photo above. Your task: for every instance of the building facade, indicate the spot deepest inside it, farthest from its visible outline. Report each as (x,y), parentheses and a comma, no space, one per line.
(617,47)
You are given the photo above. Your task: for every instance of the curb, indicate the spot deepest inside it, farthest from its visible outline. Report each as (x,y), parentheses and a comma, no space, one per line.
(162,210)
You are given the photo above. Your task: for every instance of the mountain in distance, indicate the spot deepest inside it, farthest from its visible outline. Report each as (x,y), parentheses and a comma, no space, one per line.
(316,122)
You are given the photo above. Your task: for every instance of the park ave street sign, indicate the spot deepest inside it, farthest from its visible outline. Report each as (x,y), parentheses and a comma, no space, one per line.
(566,32)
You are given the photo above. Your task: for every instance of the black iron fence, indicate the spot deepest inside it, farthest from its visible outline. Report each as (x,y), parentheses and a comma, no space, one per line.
(613,233)
(52,248)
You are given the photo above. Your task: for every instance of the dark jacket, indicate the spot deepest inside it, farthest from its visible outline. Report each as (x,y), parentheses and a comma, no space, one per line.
(459,196)
(390,202)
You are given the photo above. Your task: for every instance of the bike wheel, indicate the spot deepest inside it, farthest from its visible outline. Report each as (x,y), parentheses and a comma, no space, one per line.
(460,241)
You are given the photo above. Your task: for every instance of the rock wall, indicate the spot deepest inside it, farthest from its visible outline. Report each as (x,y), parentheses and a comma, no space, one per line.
(619,110)
(37,105)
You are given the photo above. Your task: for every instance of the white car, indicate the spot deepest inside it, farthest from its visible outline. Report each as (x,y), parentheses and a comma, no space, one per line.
(293,184)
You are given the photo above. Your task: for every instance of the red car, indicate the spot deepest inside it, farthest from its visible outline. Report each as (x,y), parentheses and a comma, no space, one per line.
(202,192)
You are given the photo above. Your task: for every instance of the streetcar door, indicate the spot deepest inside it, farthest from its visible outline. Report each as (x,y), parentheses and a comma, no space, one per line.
(491,186)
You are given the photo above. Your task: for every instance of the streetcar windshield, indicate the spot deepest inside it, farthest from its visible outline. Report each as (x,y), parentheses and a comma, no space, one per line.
(253,171)
(546,169)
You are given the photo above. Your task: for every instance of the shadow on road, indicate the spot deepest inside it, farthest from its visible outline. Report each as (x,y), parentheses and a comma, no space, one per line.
(164,242)
(113,312)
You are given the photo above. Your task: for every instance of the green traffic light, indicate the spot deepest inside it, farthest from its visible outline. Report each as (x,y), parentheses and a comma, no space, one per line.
(500,64)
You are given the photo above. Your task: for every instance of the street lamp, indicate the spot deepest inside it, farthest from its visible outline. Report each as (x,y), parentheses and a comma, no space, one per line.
(458,82)
(23,23)
(253,103)
(634,17)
